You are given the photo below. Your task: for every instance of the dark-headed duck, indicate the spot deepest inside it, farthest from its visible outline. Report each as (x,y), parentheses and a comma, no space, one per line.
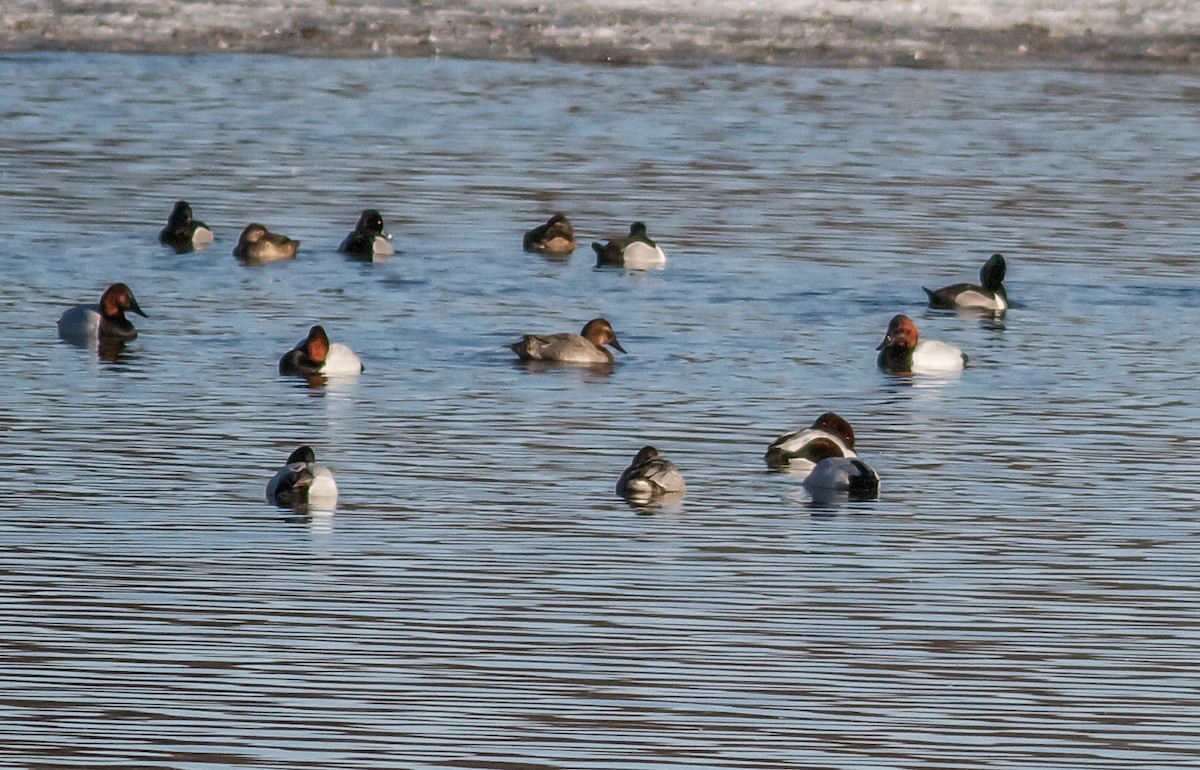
(183,233)
(370,239)
(989,296)
(635,251)
(302,482)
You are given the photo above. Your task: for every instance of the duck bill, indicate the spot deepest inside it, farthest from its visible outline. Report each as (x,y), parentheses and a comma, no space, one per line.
(617,345)
(883,342)
(133,308)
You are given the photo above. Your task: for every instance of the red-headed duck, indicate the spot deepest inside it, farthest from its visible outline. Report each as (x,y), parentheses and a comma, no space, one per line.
(650,475)
(635,251)
(183,233)
(106,320)
(316,355)
(257,244)
(903,352)
(302,482)
(990,296)
(557,236)
(584,348)
(370,239)
(830,435)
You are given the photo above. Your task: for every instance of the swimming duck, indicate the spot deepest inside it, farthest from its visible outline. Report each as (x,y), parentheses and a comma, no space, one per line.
(830,435)
(316,355)
(106,320)
(900,352)
(258,244)
(557,236)
(369,238)
(586,347)
(183,233)
(835,477)
(650,475)
(301,482)
(990,296)
(635,251)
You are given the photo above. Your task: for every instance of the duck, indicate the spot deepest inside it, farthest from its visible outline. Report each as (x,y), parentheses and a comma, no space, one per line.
(369,239)
(557,236)
(903,352)
(258,244)
(635,251)
(183,233)
(650,475)
(838,477)
(105,320)
(302,482)
(989,296)
(830,435)
(316,355)
(587,347)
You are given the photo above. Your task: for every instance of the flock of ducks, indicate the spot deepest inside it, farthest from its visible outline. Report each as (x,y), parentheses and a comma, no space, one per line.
(823,453)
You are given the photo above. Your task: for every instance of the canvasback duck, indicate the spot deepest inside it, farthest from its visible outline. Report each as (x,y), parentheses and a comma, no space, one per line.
(557,236)
(302,482)
(316,355)
(586,347)
(830,435)
(258,244)
(900,352)
(183,233)
(370,239)
(635,251)
(105,320)
(842,477)
(650,475)
(989,296)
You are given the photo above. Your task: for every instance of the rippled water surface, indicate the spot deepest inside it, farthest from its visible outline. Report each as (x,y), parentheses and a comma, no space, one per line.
(1023,594)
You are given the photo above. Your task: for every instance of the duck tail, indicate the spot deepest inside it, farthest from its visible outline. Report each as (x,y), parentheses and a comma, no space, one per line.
(864,483)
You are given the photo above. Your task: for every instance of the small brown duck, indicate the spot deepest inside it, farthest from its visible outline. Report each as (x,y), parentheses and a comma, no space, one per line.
(556,237)
(258,244)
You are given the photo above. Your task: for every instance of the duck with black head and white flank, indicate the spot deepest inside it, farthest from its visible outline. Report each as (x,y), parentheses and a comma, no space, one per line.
(635,251)
(370,239)
(316,356)
(302,482)
(106,320)
(829,435)
(257,245)
(902,351)
(556,237)
(184,233)
(989,295)
(650,476)
(587,347)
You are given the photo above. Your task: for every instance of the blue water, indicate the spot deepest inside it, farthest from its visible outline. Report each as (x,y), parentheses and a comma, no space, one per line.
(1021,595)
